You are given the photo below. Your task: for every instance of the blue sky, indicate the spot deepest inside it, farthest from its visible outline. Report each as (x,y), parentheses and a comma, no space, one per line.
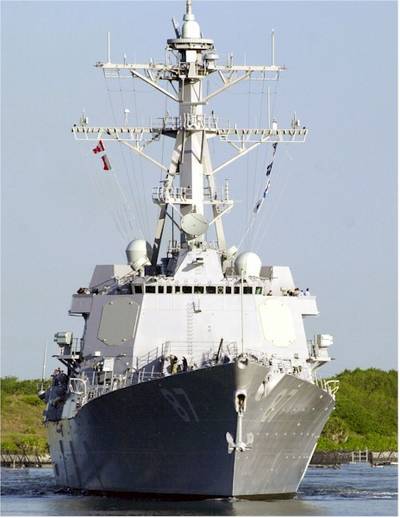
(331,212)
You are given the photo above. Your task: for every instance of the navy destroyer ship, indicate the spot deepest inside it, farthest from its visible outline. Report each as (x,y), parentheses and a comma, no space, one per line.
(193,375)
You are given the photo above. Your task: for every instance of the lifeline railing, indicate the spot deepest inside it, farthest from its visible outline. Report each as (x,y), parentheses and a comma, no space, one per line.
(200,354)
(78,386)
(86,391)
(330,386)
(147,358)
(147,368)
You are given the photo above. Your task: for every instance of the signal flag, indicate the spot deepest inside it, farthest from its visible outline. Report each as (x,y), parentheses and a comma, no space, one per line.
(99,148)
(106,163)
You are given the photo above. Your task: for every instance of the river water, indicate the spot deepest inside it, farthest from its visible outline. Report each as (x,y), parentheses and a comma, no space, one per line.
(353,490)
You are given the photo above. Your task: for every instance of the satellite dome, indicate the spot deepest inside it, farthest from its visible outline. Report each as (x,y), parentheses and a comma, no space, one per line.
(137,253)
(249,263)
(190,28)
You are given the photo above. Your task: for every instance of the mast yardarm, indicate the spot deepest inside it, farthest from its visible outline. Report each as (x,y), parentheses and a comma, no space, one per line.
(195,59)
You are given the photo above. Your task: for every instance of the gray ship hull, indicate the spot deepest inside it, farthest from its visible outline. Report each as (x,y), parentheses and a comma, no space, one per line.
(169,436)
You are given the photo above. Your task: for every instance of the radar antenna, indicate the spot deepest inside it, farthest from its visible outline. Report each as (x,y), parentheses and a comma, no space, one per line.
(192,129)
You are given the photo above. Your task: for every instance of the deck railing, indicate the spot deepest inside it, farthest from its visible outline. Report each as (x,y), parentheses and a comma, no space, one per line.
(167,360)
(330,386)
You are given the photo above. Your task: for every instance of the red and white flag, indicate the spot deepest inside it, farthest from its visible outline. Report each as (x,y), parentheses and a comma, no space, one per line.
(99,148)
(106,163)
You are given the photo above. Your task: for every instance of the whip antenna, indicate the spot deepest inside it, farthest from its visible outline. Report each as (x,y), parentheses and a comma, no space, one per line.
(44,367)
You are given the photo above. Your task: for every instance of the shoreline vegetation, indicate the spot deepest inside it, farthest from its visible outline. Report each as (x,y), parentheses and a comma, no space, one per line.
(365,417)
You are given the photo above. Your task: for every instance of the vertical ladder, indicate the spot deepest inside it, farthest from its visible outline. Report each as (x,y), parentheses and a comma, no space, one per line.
(189,328)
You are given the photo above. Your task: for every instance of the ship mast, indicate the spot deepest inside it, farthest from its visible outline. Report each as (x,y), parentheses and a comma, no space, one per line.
(195,59)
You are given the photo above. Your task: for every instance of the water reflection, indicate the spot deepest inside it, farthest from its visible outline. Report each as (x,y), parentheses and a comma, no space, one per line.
(353,490)
(106,505)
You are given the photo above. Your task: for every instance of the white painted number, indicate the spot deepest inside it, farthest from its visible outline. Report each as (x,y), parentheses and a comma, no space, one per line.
(269,414)
(184,413)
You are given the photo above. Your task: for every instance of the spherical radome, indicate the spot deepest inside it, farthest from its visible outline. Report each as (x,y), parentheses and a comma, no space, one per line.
(249,263)
(137,253)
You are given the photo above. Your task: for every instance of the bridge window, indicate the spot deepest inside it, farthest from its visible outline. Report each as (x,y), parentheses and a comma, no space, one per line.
(210,289)
(237,290)
(220,290)
(259,290)
(186,289)
(177,289)
(161,289)
(150,289)
(198,289)
(138,288)
(247,290)
(169,289)
(228,290)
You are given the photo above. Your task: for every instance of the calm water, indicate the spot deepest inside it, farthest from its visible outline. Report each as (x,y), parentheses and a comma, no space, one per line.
(353,490)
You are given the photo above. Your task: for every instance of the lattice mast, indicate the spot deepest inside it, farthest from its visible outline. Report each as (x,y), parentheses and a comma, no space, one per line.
(195,59)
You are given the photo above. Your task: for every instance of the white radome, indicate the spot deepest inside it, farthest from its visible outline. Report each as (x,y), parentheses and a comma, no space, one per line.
(190,28)
(249,263)
(137,253)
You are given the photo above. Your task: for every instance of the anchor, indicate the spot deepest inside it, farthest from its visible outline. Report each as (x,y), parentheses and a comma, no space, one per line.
(239,444)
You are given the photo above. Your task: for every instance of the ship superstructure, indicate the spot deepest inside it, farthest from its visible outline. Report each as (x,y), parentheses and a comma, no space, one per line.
(194,374)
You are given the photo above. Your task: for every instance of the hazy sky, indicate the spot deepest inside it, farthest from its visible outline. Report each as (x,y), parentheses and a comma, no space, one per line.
(331,211)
